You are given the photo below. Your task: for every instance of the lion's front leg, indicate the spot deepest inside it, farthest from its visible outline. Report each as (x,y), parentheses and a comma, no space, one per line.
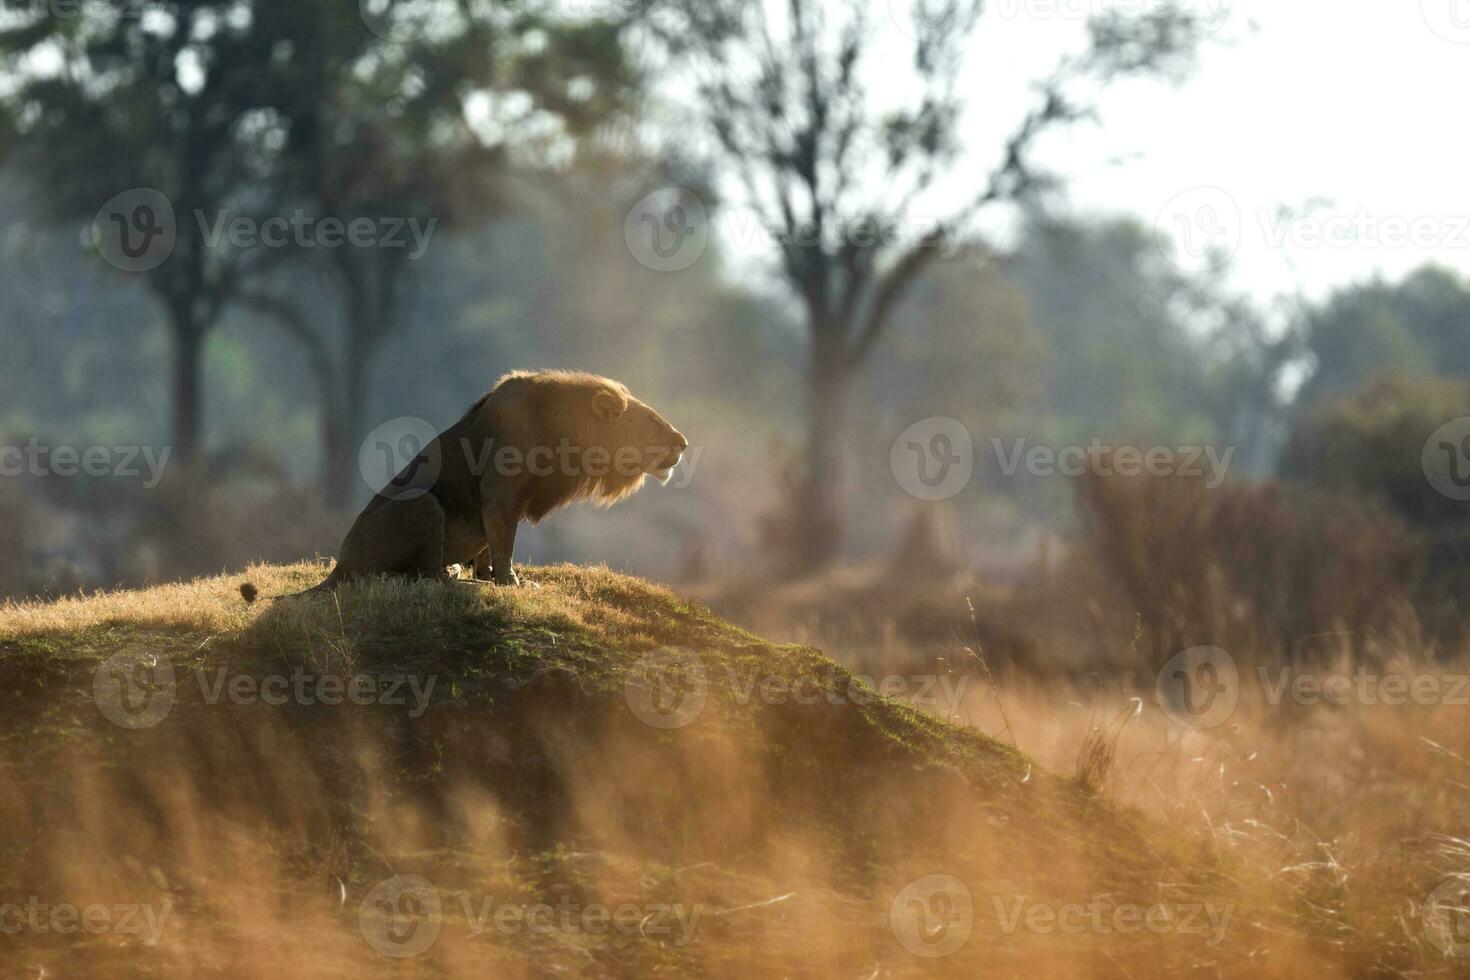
(500,532)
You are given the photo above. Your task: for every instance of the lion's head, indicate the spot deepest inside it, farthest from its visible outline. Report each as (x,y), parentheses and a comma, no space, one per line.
(585,437)
(634,426)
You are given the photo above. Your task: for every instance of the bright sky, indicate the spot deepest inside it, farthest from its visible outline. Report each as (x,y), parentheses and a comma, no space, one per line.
(1320,141)
(1352,112)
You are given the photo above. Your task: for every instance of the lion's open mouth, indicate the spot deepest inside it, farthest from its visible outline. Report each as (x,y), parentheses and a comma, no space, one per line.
(664,467)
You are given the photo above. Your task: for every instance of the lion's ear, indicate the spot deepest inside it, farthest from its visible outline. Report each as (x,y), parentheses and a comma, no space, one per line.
(608,406)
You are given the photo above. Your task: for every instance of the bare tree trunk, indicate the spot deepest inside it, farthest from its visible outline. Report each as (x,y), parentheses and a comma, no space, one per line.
(371,309)
(336,462)
(819,506)
(336,457)
(361,342)
(188,367)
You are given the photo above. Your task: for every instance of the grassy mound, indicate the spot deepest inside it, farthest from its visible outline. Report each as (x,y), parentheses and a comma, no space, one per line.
(588,776)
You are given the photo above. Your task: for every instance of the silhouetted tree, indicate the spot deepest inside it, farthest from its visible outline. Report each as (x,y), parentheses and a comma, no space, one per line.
(797,102)
(178,101)
(382,113)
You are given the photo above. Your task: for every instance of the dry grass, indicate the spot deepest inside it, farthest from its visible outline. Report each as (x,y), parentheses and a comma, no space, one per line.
(1353,815)
(387,606)
(1350,817)
(794,827)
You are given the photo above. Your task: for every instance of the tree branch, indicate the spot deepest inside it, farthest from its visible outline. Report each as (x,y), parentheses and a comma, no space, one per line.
(297,327)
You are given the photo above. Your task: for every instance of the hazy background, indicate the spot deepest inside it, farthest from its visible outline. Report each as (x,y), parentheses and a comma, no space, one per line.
(887,264)
(1237,219)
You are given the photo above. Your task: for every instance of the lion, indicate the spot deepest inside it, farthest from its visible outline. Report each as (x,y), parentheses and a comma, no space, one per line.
(535,442)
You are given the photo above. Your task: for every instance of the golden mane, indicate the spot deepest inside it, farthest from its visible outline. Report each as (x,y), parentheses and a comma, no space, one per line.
(542,408)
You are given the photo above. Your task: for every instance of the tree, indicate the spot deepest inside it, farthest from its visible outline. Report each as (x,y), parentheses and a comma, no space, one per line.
(397,141)
(1142,350)
(1413,328)
(1377,442)
(342,112)
(1125,363)
(374,133)
(786,91)
(171,104)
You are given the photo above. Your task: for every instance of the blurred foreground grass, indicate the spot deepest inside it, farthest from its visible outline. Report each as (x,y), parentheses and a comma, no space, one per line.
(592,742)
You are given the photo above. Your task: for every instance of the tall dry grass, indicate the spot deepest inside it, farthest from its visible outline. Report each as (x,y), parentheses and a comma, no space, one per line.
(1356,813)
